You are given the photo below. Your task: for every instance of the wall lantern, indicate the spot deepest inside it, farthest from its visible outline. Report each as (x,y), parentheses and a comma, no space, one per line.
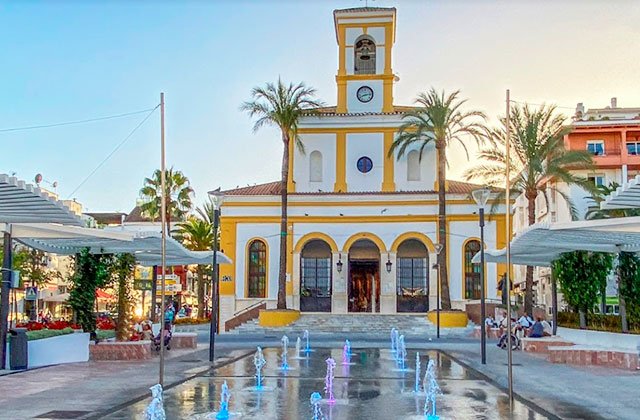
(339,264)
(389,264)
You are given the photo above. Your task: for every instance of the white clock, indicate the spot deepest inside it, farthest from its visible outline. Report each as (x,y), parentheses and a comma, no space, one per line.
(364,94)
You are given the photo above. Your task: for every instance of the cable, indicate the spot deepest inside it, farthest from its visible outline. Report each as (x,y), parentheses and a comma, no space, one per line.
(109,117)
(573,108)
(114,150)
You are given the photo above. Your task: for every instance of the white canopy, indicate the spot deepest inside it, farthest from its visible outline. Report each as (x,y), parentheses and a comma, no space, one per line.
(542,243)
(145,246)
(23,203)
(626,196)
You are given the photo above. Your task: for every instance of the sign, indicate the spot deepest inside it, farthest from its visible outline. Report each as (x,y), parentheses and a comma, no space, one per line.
(143,284)
(31,293)
(171,284)
(15,279)
(143,273)
(226,278)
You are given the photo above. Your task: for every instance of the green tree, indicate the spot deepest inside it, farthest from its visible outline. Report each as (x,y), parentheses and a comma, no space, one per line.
(282,105)
(582,275)
(538,161)
(123,271)
(598,196)
(629,289)
(178,193)
(438,120)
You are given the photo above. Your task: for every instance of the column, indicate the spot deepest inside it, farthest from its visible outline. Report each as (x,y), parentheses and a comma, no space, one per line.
(433,281)
(388,183)
(339,283)
(388,302)
(296,280)
(341,162)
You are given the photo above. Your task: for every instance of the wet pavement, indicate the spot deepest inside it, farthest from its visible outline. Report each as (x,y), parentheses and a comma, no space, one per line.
(370,388)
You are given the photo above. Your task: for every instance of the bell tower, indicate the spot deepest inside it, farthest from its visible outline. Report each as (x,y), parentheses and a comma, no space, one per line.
(365,78)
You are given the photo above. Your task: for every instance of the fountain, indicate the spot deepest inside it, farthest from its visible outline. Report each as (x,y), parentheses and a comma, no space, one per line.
(155,410)
(328,381)
(394,343)
(259,362)
(298,347)
(305,336)
(346,353)
(225,395)
(431,389)
(417,388)
(401,353)
(285,348)
(315,404)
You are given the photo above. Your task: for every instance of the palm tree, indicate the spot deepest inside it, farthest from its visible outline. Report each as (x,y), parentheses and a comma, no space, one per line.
(196,234)
(438,120)
(282,105)
(538,160)
(178,196)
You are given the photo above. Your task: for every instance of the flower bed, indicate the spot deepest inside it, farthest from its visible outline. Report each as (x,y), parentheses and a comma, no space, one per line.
(191,321)
(42,334)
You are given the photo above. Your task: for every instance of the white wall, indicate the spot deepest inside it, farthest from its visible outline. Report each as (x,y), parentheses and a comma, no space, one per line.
(374,105)
(269,233)
(370,145)
(428,170)
(325,144)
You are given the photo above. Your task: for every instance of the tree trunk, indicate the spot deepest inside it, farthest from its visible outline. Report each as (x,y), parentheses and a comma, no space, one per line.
(528,295)
(623,313)
(200,291)
(445,298)
(282,274)
(583,320)
(122,323)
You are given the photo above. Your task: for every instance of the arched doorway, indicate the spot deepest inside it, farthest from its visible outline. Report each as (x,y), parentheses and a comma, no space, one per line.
(315,277)
(364,277)
(412,277)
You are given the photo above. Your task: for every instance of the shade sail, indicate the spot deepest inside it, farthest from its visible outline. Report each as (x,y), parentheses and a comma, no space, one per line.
(24,203)
(542,243)
(626,196)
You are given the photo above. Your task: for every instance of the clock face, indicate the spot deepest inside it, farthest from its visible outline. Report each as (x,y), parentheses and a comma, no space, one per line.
(365,94)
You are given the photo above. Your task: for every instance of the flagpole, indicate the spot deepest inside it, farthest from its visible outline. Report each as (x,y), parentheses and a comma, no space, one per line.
(163,209)
(508,222)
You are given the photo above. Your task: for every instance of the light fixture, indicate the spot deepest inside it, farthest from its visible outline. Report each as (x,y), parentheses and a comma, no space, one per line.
(438,248)
(339,263)
(481,196)
(389,264)
(217,197)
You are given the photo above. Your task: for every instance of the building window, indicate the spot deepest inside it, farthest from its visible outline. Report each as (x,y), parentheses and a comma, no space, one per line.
(596,147)
(365,56)
(413,166)
(472,283)
(598,180)
(257,282)
(364,164)
(412,276)
(315,166)
(633,148)
(316,277)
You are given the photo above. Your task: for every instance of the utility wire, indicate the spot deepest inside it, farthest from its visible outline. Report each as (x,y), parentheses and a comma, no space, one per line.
(151,111)
(109,117)
(573,108)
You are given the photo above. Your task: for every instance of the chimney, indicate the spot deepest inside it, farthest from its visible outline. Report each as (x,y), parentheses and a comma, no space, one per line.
(614,102)
(579,110)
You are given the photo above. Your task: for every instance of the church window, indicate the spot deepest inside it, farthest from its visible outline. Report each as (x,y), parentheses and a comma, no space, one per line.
(257,279)
(315,166)
(364,164)
(365,56)
(472,283)
(413,166)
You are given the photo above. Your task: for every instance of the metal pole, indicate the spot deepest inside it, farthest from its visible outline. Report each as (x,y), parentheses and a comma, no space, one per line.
(508,222)
(154,292)
(4,302)
(438,303)
(163,209)
(483,314)
(554,302)
(214,288)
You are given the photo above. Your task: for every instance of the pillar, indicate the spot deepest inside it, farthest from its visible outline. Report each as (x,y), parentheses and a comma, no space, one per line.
(339,286)
(433,281)
(388,301)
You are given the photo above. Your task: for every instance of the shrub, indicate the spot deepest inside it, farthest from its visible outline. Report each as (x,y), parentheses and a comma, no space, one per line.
(596,322)
(40,334)
(105,334)
(191,321)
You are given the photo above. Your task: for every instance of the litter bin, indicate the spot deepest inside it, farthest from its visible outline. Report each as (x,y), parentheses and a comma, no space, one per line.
(18,349)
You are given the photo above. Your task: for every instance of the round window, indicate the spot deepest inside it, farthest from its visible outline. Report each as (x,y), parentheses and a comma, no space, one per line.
(364,164)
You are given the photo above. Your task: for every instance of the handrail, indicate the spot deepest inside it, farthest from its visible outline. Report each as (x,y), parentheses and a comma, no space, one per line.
(248,308)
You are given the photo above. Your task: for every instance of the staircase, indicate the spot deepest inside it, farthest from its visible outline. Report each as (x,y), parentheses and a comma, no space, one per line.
(355,324)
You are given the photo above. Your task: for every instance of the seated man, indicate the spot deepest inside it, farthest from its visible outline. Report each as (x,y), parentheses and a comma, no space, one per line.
(537,330)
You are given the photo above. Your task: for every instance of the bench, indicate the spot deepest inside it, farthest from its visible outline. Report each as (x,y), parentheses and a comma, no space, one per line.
(124,350)
(184,341)
(542,344)
(595,356)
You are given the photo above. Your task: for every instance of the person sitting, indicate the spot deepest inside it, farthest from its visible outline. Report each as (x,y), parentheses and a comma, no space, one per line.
(547,330)
(147,333)
(537,329)
(489,323)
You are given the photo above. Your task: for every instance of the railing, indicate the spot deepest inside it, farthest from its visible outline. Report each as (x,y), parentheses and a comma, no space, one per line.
(244,315)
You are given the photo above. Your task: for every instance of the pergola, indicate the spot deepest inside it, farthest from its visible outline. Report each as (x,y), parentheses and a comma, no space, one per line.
(626,196)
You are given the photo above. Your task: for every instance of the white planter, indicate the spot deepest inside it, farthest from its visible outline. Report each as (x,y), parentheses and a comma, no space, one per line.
(68,348)
(601,338)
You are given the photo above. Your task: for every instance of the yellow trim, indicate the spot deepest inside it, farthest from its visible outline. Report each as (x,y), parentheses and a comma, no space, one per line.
(228,245)
(341,163)
(364,235)
(388,183)
(246,268)
(315,235)
(386,77)
(413,235)
(464,283)
(341,106)
(342,51)
(351,203)
(449,319)
(333,130)
(388,39)
(357,219)
(291,186)
(387,96)
(277,317)
(289,271)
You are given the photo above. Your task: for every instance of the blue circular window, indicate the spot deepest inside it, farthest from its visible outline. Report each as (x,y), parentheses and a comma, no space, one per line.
(364,164)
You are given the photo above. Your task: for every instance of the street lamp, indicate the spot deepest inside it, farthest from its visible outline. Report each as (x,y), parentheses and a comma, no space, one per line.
(217,197)
(481,197)
(439,248)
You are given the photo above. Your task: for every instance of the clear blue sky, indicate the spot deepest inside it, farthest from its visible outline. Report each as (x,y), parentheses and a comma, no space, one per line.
(72,60)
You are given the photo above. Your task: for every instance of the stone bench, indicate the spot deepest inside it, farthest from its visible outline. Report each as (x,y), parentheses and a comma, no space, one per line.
(125,350)
(493,333)
(595,356)
(184,340)
(542,344)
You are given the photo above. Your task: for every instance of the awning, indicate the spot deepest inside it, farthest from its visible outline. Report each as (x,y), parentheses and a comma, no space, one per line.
(23,203)
(540,244)
(101,294)
(626,196)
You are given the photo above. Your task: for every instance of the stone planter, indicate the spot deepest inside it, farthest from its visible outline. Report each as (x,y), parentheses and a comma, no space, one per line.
(125,350)
(68,348)
(449,319)
(277,317)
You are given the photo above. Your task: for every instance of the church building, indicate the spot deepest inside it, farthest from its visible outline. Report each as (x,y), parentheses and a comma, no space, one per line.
(362,226)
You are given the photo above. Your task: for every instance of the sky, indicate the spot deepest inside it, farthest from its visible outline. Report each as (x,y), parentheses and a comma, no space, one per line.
(73,60)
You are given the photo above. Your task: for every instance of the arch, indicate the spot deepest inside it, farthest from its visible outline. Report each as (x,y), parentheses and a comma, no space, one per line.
(315,235)
(413,166)
(412,276)
(468,268)
(364,51)
(253,270)
(413,235)
(315,166)
(364,235)
(316,273)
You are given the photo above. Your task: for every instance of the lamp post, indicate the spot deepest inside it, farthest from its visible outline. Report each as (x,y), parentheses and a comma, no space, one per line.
(481,197)
(438,250)
(217,197)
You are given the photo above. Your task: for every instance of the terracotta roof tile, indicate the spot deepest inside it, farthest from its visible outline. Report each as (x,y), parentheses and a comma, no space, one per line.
(269,188)
(365,9)
(331,111)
